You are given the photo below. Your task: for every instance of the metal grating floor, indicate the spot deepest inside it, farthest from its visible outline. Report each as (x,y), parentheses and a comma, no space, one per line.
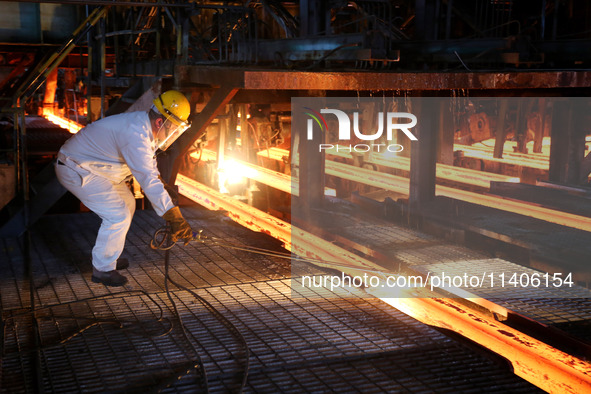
(319,342)
(424,253)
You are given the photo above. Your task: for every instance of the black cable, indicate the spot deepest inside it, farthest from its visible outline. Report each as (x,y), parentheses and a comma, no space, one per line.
(200,364)
(162,241)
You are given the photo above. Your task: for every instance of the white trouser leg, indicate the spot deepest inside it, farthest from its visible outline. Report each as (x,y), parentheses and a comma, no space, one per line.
(113,203)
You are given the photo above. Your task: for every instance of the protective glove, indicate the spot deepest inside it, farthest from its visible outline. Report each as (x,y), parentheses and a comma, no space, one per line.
(171,190)
(180,229)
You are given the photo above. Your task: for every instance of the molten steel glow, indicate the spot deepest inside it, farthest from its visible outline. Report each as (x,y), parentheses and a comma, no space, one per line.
(237,169)
(535,361)
(533,160)
(444,171)
(67,124)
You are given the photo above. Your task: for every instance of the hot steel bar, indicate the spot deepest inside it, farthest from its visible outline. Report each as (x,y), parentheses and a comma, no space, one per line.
(535,361)
(400,184)
(241,213)
(260,174)
(444,171)
(521,159)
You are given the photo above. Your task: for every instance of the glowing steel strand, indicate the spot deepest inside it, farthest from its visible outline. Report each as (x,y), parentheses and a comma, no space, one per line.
(260,174)
(241,213)
(516,206)
(400,185)
(533,160)
(535,361)
(538,363)
(68,124)
(274,154)
(444,171)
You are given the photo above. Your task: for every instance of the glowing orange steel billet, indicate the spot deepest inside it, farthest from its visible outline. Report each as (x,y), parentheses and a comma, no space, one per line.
(240,212)
(68,124)
(533,160)
(268,177)
(535,361)
(444,171)
(400,185)
(540,364)
(522,208)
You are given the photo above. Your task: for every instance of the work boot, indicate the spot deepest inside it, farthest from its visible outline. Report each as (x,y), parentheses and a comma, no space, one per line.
(109,278)
(122,263)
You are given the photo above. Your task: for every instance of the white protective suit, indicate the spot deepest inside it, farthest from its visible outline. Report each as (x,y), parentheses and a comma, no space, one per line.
(94,164)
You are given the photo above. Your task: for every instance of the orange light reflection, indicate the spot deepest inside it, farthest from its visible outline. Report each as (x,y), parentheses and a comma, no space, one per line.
(67,124)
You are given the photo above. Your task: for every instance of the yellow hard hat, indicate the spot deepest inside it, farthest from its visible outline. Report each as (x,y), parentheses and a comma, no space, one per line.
(174,106)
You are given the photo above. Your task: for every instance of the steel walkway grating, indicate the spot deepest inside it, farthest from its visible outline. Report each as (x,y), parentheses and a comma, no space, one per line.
(566,307)
(318,343)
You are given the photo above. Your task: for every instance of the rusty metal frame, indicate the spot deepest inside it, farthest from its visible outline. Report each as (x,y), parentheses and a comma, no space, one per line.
(364,80)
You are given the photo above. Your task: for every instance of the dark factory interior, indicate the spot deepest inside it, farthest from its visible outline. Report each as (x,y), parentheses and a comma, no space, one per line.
(194,197)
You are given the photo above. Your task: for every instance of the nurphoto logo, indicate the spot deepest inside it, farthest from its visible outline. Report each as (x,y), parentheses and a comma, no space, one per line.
(392,124)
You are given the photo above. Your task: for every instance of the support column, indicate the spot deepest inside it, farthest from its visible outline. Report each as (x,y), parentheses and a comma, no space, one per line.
(525,108)
(221,151)
(500,133)
(103,63)
(245,134)
(539,133)
(314,17)
(423,154)
(426,19)
(445,148)
(568,140)
(311,171)
(89,70)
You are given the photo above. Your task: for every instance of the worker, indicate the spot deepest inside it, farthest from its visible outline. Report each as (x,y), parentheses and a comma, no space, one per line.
(95,164)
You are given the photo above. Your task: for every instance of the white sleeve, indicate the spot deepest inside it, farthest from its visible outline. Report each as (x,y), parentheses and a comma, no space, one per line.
(139,156)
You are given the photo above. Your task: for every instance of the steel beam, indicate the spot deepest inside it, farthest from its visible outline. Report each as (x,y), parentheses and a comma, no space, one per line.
(302,80)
